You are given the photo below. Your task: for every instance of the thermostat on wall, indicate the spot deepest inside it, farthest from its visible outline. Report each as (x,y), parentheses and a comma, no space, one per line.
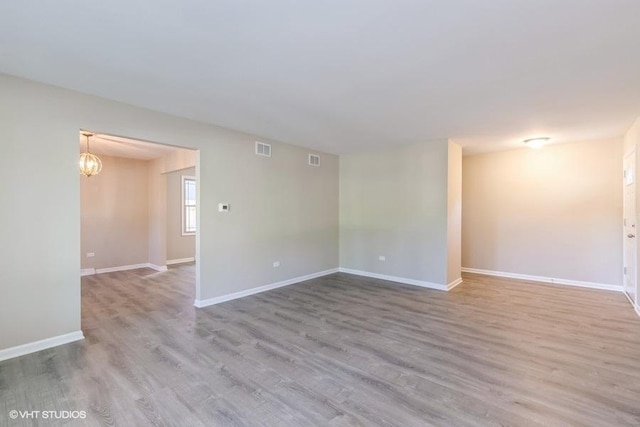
(223,207)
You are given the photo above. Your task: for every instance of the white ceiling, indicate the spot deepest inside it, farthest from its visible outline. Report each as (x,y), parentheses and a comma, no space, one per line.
(108,145)
(346,75)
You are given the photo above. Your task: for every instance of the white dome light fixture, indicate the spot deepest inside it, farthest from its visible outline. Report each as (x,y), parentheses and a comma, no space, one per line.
(537,142)
(90,164)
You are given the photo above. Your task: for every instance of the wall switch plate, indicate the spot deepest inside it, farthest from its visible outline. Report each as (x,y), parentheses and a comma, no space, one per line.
(276,264)
(382,258)
(90,254)
(224,207)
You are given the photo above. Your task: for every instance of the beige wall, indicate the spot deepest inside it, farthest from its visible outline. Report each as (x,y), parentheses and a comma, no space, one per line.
(157,213)
(554,212)
(454,212)
(114,214)
(632,137)
(39,269)
(394,203)
(282,209)
(178,246)
(179,159)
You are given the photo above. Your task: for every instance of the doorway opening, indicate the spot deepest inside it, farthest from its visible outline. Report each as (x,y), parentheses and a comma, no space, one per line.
(141,209)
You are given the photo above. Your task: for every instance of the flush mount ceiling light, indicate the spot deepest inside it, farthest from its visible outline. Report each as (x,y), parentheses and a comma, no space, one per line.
(536,142)
(89,163)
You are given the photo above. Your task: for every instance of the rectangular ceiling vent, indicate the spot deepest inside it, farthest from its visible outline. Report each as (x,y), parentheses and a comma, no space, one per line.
(263,149)
(314,160)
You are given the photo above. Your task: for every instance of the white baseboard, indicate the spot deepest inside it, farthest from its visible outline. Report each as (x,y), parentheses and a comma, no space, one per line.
(552,280)
(32,347)
(636,308)
(121,268)
(91,271)
(252,291)
(454,283)
(406,281)
(87,272)
(180,260)
(157,267)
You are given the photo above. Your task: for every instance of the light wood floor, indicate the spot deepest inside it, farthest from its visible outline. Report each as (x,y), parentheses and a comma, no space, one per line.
(336,351)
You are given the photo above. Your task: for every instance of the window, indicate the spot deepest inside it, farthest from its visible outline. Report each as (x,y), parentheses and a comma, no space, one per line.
(188,205)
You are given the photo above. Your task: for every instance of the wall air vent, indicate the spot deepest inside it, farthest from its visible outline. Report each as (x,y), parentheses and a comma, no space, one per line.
(314,160)
(263,149)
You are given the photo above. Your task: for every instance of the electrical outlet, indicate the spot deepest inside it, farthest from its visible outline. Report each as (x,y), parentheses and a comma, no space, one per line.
(90,254)
(276,264)
(382,258)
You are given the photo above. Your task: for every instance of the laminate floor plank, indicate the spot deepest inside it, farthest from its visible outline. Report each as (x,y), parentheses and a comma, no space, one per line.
(340,350)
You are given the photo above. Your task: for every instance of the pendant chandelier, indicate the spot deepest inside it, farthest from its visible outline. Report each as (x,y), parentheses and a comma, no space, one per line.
(89,163)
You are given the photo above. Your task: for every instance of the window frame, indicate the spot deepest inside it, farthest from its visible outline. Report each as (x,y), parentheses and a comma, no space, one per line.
(183,204)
